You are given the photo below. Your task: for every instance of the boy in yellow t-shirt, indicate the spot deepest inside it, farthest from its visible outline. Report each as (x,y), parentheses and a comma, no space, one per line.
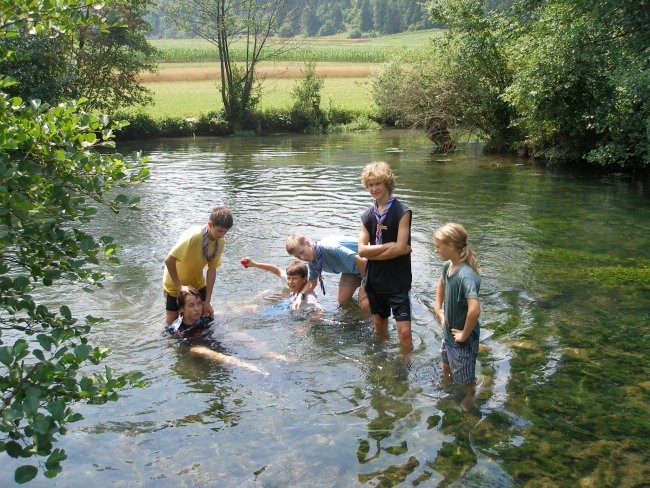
(197,247)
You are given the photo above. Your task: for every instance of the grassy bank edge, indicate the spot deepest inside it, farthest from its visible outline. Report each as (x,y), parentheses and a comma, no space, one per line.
(262,122)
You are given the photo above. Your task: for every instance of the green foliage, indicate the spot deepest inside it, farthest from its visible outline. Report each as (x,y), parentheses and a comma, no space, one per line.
(270,120)
(275,120)
(222,22)
(566,80)
(327,17)
(100,64)
(362,123)
(55,170)
(582,78)
(456,87)
(417,97)
(306,111)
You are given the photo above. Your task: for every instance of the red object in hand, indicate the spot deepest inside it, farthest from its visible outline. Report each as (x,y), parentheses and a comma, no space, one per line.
(245,262)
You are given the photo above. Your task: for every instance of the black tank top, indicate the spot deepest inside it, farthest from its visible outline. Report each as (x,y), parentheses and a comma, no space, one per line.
(393,275)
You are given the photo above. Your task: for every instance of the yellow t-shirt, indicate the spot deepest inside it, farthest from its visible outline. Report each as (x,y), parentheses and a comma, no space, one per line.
(190,260)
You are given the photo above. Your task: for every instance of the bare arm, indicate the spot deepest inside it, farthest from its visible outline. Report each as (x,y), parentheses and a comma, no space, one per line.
(388,250)
(170,262)
(437,308)
(473,312)
(271,268)
(210,278)
(364,248)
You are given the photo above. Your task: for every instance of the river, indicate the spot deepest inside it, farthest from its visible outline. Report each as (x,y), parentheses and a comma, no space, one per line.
(563,382)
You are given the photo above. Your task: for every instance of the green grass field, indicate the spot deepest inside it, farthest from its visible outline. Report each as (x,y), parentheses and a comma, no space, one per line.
(335,49)
(182,89)
(193,98)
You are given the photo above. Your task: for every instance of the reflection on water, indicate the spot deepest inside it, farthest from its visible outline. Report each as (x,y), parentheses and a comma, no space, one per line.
(563,367)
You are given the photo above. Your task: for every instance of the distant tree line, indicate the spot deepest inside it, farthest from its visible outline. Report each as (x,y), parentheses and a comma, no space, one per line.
(357,18)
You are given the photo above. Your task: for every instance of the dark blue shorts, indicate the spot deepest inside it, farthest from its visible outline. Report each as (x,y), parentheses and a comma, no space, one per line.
(172,302)
(461,361)
(397,303)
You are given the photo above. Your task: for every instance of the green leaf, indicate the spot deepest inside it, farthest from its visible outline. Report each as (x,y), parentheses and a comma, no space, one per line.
(86,384)
(75,417)
(30,405)
(25,473)
(55,458)
(57,409)
(82,351)
(13,449)
(21,283)
(6,356)
(20,349)
(65,311)
(45,341)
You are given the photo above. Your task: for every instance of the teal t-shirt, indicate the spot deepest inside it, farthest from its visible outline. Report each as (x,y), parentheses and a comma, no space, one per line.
(464,283)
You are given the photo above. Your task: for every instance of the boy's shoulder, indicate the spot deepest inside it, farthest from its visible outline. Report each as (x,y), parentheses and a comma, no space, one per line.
(336,241)
(191,231)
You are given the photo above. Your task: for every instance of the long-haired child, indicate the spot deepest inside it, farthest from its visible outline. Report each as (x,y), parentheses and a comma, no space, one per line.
(457,305)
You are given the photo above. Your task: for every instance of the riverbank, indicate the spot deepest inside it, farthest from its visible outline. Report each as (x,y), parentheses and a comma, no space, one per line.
(187,101)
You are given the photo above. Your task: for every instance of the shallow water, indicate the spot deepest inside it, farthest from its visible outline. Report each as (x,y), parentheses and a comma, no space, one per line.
(563,384)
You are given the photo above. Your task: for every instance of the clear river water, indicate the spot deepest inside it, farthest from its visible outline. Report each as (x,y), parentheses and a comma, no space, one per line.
(563,383)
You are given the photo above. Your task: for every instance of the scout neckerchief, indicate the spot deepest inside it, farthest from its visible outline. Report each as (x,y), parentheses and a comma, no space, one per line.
(380,219)
(319,266)
(205,245)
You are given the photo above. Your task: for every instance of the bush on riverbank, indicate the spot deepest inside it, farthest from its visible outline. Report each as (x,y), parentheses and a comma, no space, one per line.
(266,121)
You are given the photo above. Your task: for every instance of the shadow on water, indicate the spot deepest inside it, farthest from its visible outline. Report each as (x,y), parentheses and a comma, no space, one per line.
(562,393)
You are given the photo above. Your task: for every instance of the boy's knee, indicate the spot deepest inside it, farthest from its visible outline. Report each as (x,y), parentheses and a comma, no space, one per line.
(364,304)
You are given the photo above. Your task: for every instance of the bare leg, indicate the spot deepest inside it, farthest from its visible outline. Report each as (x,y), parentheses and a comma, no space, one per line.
(348,284)
(364,304)
(405,336)
(222,358)
(345,294)
(381,326)
(468,402)
(446,376)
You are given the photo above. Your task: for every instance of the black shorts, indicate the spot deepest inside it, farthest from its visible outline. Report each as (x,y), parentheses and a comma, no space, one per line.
(397,303)
(172,302)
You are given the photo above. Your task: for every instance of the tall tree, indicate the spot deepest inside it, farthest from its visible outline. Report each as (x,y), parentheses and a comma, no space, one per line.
(56,169)
(393,23)
(310,21)
(365,16)
(247,24)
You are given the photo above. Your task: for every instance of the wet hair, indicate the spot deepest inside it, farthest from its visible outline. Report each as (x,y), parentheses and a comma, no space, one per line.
(378,171)
(294,242)
(183,294)
(221,217)
(297,268)
(456,235)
